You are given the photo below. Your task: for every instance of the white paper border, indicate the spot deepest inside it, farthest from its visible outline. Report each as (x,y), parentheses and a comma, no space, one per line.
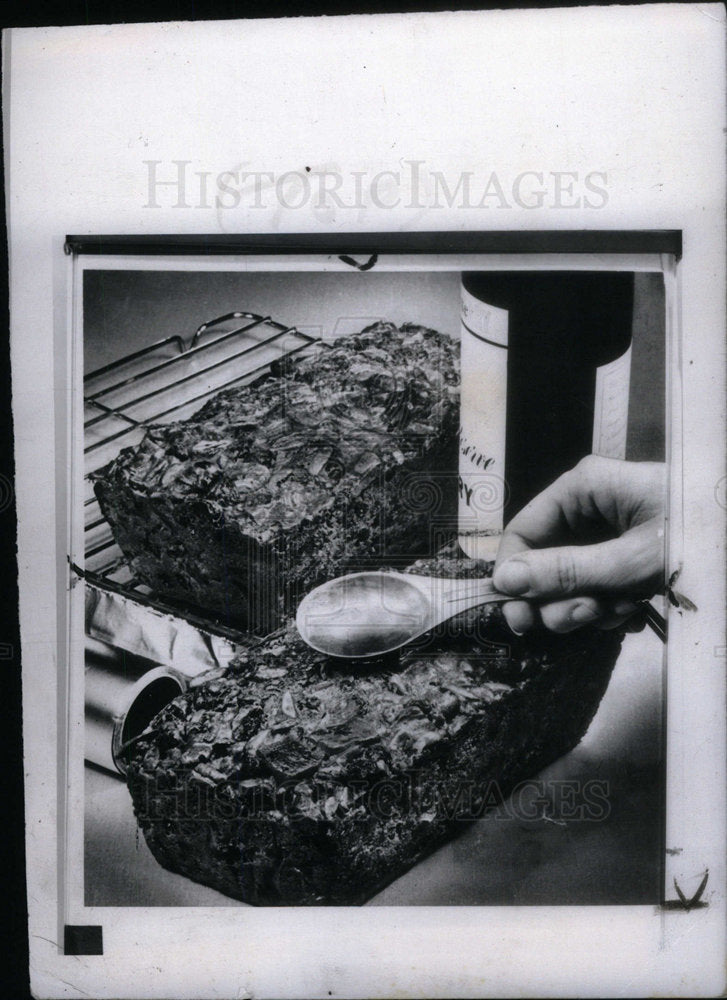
(88,93)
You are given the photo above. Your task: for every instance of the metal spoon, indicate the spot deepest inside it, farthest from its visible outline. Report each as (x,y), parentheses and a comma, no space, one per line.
(369,614)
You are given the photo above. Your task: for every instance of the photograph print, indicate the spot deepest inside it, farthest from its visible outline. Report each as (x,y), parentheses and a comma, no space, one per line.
(303,684)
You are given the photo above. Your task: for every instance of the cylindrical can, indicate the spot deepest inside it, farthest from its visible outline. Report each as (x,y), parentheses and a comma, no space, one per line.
(546,360)
(123,694)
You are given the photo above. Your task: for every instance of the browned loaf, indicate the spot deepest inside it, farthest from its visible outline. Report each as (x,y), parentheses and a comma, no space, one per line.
(327,462)
(291,778)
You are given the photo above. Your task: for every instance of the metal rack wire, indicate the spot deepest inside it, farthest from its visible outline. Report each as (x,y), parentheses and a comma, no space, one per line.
(167,380)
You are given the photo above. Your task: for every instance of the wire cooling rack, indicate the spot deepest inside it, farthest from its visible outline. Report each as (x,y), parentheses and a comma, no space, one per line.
(168,380)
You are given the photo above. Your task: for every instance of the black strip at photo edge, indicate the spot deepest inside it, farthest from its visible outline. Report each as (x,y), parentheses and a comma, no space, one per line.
(660,241)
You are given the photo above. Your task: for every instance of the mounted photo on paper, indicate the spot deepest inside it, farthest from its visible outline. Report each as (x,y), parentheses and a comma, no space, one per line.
(296,464)
(370,481)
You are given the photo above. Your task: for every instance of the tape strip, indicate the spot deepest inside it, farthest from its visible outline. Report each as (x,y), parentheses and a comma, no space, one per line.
(354,263)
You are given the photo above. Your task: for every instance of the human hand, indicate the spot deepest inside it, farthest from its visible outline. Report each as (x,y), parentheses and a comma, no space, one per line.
(586,549)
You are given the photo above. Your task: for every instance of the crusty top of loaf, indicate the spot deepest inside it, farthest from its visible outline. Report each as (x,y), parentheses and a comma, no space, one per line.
(283,713)
(282,448)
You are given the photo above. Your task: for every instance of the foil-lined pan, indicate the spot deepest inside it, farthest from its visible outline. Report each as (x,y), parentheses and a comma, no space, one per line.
(139,656)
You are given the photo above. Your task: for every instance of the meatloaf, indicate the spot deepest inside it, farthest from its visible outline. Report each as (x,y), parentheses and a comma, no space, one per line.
(328,461)
(292,778)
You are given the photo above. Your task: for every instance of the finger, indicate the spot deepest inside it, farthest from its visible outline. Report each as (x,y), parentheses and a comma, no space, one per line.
(551,518)
(539,523)
(623,612)
(631,564)
(520,616)
(599,497)
(637,621)
(563,509)
(629,493)
(569,615)
(510,545)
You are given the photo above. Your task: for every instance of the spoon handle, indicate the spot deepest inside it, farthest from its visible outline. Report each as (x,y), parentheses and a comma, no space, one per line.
(463,590)
(455,596)
(484,597)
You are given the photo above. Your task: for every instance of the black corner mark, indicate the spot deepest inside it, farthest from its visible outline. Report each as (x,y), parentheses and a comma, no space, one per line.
(83,939)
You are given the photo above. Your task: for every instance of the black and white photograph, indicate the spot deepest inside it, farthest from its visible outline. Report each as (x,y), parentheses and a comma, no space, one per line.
(368,382)
(296,657)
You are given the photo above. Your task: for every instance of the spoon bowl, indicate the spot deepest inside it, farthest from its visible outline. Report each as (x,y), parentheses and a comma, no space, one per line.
(373,613)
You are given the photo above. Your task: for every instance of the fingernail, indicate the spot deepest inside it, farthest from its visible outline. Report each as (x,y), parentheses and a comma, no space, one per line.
(513,577)
(581,614)
(625,608)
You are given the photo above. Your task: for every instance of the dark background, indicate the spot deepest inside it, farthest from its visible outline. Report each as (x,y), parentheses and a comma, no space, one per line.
(16,13)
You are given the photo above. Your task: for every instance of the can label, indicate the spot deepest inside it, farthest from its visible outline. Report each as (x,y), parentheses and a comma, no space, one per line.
(611,407)
(482,487)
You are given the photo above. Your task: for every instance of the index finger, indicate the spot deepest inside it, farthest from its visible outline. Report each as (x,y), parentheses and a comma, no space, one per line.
(541,518)
(541,522)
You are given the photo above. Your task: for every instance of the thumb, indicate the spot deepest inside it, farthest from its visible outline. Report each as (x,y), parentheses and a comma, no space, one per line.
(632,564)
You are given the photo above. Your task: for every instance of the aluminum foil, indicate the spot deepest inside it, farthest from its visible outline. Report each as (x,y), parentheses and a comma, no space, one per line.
(138,658)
